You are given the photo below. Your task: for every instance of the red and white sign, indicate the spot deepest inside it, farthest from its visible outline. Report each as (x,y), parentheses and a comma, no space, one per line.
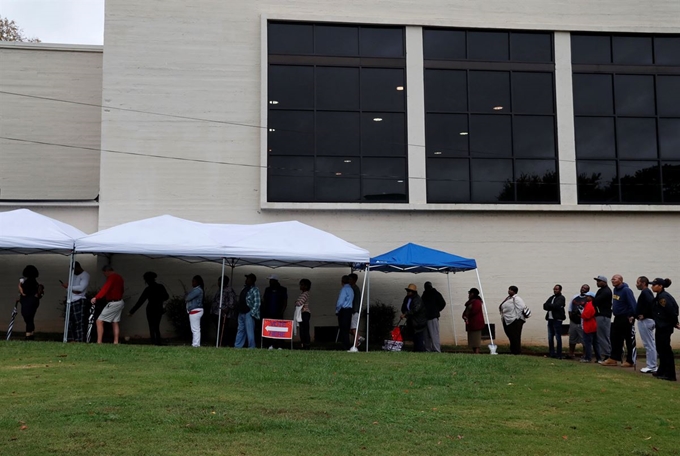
(277,329)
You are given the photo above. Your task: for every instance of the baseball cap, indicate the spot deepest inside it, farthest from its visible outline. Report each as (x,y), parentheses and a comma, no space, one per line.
(600,278)
(657,281)
(273,277)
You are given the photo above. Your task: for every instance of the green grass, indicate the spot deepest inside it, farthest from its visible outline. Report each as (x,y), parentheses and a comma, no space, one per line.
(145,400)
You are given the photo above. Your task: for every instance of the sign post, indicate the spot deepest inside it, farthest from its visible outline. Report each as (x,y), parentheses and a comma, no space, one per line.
(277,329)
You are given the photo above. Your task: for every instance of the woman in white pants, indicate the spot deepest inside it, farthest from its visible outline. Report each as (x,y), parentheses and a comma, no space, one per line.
(194,300)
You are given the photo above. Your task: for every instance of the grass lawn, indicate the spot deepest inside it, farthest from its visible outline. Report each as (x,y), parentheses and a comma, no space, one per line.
(145,400)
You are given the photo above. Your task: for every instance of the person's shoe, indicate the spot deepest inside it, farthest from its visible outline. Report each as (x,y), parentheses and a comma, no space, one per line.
(599,361)
(647,370)
(568,357)
(627,364)
(361,340)
(280,348)
(610,362)
(271,347)
(663,377)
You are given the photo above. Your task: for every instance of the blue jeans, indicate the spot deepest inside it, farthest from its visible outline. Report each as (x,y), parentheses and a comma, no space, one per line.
(246,329)
(590,343)
(555,332)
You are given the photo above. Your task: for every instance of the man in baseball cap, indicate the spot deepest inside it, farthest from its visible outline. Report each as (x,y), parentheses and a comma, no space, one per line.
(603,315)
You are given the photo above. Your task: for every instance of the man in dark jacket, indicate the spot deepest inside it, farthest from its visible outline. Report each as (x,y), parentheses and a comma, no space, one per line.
(416,317)
(603,315)
(645,316)
(555,315)
(623,328)
(434,303)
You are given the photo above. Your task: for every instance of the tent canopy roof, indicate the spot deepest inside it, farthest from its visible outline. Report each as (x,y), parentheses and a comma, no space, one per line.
(24,231)
(270,244)
(415,258)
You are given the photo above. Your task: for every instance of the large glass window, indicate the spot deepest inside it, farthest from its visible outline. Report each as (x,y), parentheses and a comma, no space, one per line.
(490,117)
(627,118)
(337,113)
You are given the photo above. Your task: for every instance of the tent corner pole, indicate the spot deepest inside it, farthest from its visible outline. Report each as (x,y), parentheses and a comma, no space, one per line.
(368,302)
(486,313)
(69,294)
(219,313)
(453,315)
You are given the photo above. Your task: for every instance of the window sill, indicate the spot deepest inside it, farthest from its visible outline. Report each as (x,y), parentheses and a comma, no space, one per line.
(469,207)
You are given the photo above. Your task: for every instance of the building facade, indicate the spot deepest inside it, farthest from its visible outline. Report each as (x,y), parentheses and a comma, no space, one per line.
(540,137)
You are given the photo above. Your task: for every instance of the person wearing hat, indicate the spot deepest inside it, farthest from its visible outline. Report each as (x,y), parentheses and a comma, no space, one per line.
(248,311)
(156,294)
(343,310)
(474,319)
(603,315)
(644,313)
(589,326)
(666,319)
(274,303)
(413,310)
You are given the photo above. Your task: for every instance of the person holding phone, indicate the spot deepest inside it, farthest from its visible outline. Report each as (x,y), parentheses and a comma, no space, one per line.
(81,280)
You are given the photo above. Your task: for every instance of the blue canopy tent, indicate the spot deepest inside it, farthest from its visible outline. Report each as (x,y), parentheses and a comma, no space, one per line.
(416,259)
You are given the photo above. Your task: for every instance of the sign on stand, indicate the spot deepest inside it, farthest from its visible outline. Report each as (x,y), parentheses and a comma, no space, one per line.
(277,329)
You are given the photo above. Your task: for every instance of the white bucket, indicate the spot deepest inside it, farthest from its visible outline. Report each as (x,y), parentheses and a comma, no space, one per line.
(492,348)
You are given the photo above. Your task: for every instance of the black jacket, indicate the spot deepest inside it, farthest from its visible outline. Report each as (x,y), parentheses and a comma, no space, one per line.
(665,311)
(555,304)
(417,316)
(434,303)
(603,302)
(645,304)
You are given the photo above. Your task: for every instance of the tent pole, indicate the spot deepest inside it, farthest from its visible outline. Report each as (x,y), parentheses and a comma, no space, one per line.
(219,312)
(368,301)
(481,292)
(361,302)
(453,316)
(69,294)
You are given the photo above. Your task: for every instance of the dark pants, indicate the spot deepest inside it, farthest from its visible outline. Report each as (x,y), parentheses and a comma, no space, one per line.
(555,333)
(419,341)
(153,316)
(623,330)
(663,347)
(344,323)
(304,329)
(514,333)
(29,306)
(75,321)
(590,343)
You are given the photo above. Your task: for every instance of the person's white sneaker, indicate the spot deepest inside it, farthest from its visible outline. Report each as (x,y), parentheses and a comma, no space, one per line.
(647,370)
(271,347)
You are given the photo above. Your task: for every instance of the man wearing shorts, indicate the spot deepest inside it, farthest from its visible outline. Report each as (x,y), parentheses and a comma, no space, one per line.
(112,292)
(574,310)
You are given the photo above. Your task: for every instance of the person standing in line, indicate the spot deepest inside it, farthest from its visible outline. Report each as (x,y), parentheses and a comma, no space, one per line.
(194,300)
(473,315)
(343,310)
(249,303)
(434,303)
(666,319)
(413,310)
(589,329)
(112,293)
(574,310)
(511,310)
(30,294)
(603,315)
(274,304)
(303,303)
(555,315)
(356,304)
(156,294)
(81,280)
(645,317)
(623,328)
(224,300)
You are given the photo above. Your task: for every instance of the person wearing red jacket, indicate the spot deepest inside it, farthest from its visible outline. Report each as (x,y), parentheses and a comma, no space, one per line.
(589,324)
(474,320)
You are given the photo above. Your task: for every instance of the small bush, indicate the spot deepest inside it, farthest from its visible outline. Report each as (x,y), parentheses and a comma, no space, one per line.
(382,322)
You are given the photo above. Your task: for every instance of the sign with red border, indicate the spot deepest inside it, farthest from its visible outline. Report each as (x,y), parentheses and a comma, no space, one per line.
(277,329)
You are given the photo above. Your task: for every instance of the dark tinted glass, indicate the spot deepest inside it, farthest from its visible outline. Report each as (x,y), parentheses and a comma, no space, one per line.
(668,95)
(595,137)
(489,46)
(337,133)
(337,88)
(597,182)
(291,87)
(640,182)
(492,181)
(448,180)
(383,168)
(489,91)
(490,136)
(346,166)
(534,136)
(671,177)
(532,93)
(444,44)
(593,94)
(669,138)
(336,40)
(636,138)
(632,50)
(667,50)
(291,133)
(388,190)
(379,89)
(338,189)
(591,49)
(536,181)
(291,179)
(385,137)
(531,47)
(290,38)
(381,42)
(445,91)
(446,135)
(634,95)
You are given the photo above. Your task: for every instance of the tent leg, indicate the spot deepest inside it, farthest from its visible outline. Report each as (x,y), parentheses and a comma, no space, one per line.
(486,314)
(361,302)
(453,316)
(219,313)
(368,301)
(72,262)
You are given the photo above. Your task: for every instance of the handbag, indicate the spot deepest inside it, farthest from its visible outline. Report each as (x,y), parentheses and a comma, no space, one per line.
(526,313)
